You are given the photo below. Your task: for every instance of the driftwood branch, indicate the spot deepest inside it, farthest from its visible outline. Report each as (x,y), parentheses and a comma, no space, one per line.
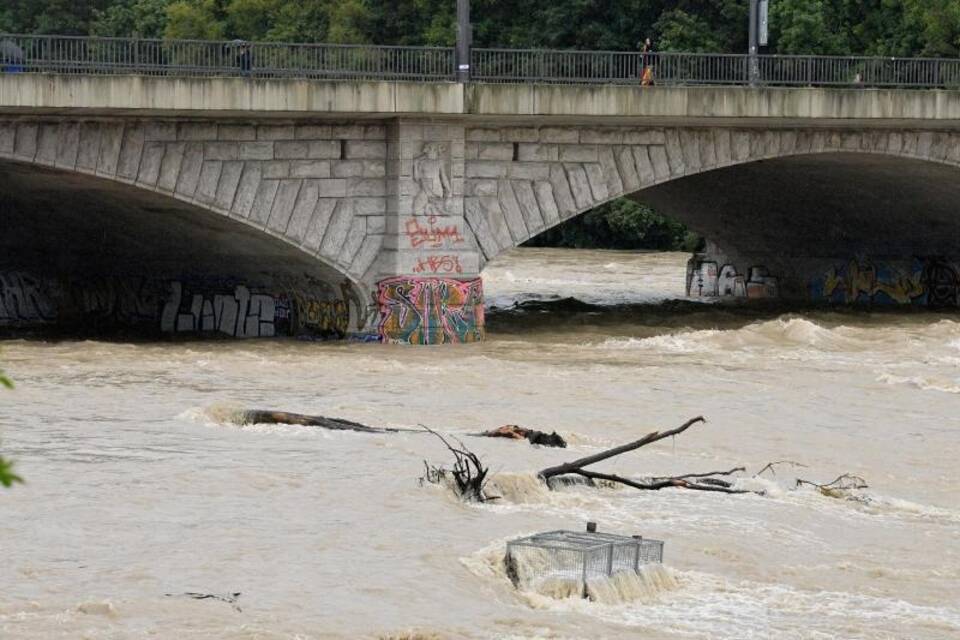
(576,465)
(770,466)
(468,473)
(709,481)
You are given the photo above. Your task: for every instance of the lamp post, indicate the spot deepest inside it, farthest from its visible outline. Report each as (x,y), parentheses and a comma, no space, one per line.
(759,36)
(464,40)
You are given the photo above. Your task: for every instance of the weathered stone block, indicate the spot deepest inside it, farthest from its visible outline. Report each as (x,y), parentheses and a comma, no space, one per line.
(610,172)
(482,187)
(354,238)
(347,132)
(606,135)
(347,169)
(548,204)
(313,132)
(247,189)
(47,138)
(206,191)
(256,151)
(283,205)
(644,136)
(332,188)
(310,169)
(486,169)
(496,151)
(598,183)
(538,152)
(275,132)
(290,150)
(529,170)
(170,165)
(128,165)
(328,149)
(276,169)
(25,145)
(237,132)
(68,145)
(560,134)
(150,163)
(337,231)
(229,181)
(366,187)
(263,202)
(374,169)
(196,131)
(369,206)
(521,134)
(317,228)
(111,139)
(189,169)
(578,153)
(160,131)
(221,151)
(365,150)
(302,211)
(483,135)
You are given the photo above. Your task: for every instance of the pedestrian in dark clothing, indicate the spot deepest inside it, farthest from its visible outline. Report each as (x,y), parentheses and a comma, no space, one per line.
(244,58)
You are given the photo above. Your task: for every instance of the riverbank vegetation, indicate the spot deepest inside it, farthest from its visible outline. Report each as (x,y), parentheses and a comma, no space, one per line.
(827,27)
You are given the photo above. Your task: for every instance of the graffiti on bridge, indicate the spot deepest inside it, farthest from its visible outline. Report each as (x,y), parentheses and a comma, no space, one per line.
(241,314)
(196,306)
(706,280)
(931,282)
(438,264)
(25,300)
(416,310)
(430,234)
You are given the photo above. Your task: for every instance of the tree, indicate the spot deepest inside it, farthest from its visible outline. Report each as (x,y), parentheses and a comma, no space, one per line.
(7,476)
(141,18)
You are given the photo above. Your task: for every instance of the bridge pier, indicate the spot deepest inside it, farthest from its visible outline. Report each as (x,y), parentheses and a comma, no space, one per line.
(428,289)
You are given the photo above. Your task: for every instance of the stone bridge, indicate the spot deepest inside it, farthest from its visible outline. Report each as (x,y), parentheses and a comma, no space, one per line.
(268,207)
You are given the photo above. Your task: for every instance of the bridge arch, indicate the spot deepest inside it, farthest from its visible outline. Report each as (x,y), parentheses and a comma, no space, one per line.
(522,182)
(256,247)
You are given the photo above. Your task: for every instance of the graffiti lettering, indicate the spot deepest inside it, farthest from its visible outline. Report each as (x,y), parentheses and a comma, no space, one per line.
(438,264)
(926,282)
(705,280)
(430,310)
(25,300)
(431,235)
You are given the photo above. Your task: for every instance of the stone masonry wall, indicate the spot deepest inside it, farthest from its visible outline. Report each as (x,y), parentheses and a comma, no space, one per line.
(320,187)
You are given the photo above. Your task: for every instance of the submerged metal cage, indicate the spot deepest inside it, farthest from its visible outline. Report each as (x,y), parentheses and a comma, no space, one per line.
(577,557)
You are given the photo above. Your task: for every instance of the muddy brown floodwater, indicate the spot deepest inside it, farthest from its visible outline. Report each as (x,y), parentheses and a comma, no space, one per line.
(140,484)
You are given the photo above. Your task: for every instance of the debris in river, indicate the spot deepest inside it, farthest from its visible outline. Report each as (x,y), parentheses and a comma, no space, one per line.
(258,416)
(229,598)
(468,473)
(515,432)
(841,488)
(571,563)
(695,481)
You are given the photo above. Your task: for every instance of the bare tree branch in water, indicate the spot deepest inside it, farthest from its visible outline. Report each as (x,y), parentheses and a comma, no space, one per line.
(468,473)
(693,481)
(770,466)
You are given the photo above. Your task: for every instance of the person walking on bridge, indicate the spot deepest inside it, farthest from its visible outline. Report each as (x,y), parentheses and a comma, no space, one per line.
(648,58)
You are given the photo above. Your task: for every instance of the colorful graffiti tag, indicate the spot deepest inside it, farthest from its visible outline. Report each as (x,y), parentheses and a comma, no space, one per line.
(430,310)
(931,282)
(706,280)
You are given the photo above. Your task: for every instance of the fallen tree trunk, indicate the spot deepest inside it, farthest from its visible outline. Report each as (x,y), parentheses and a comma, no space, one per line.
(694,481)
(257,416)
(515,432)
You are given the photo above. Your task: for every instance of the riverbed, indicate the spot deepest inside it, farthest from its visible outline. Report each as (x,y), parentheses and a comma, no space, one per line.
(141,486)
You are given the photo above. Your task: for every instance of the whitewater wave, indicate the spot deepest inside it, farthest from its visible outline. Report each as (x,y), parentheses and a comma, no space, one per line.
(926,383)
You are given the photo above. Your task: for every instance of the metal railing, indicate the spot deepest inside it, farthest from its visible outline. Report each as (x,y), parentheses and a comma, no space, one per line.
(617,67)
(117,56)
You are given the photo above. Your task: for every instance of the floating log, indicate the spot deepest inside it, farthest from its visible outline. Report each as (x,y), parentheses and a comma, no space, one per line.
(515,432)
(258,416)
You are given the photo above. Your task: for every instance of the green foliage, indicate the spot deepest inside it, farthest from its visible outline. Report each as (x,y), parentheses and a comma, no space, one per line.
(620,224)
(7,476)
(141,18)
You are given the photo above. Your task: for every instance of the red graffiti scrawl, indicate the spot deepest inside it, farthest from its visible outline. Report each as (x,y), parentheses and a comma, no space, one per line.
(438,264)
(431,235)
